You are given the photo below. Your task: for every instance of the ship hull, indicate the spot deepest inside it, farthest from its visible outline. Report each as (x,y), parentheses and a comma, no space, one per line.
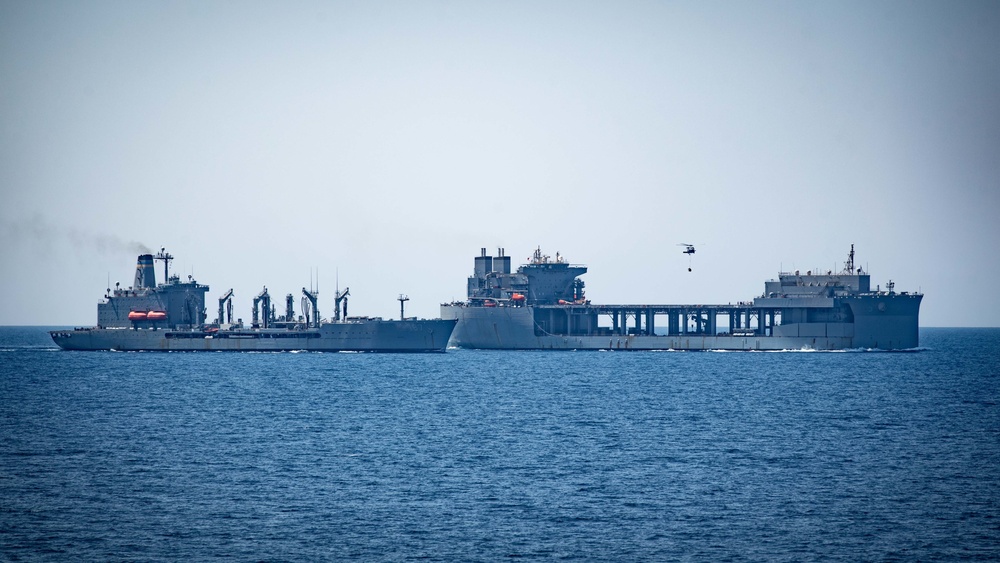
(543,307)
(362,336)
(514,328)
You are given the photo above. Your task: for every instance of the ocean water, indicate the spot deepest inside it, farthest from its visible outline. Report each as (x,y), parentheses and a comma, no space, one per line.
(484,456)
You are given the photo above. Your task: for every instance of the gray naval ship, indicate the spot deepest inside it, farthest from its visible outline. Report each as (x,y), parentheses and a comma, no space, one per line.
(542,306)
(171,317)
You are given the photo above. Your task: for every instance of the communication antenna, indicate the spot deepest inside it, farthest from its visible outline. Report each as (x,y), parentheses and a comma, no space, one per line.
(313,273)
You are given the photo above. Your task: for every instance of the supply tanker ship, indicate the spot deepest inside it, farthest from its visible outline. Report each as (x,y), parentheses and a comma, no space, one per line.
(171,317)
(542,306)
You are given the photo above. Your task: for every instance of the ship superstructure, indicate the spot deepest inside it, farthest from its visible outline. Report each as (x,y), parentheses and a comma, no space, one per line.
(171,316)
(173,304)
(543,306)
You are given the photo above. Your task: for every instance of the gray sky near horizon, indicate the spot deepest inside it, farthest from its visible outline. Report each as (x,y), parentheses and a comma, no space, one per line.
(385,143)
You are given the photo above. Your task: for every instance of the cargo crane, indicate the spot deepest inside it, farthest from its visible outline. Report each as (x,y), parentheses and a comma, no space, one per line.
(265,299)
(226,304)
(341,296)
(312,297)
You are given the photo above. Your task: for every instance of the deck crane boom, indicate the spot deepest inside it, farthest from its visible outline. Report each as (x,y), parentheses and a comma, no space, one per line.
(312,296)
(265,299)
(226,305)
(341,296)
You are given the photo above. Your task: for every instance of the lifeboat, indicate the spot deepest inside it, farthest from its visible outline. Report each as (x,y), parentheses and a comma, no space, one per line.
(489,303)
(137,316)
(156,315)
(517,297)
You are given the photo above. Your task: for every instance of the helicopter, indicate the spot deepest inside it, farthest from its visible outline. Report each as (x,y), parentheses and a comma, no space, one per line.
(689,250)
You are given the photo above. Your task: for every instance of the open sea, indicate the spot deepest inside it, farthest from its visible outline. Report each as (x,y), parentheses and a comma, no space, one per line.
(484,456)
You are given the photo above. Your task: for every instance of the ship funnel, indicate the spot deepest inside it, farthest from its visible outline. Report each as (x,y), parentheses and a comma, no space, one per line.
(484,264)
(145,276)
(501,264)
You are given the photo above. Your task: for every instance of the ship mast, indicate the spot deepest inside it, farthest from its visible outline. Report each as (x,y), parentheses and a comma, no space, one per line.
(166,257)
(402,299)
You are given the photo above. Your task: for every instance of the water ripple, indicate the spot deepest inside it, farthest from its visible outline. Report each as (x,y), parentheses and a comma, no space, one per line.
(481,456)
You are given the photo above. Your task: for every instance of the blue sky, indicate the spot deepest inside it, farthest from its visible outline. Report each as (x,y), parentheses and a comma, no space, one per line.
(385,143)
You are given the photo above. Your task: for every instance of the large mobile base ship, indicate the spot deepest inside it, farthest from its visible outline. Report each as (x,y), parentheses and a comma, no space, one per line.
(171,317)
(542,306)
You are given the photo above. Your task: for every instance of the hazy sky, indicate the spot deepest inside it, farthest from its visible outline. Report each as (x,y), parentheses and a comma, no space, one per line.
(387,142)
